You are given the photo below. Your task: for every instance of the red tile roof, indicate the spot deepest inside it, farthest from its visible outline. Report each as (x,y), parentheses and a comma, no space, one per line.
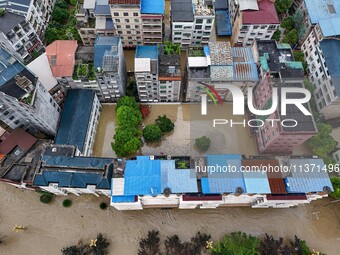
(18,137)
(276,183)
(265,15)
(61,57)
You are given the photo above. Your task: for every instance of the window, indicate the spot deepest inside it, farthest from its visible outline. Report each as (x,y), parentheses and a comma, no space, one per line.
(11,118)
(126,14)
(127,20)
(115,14)
(198,27)
(117,20)
(209,21)
(128,26)
(178,26)
(119,26)
(177,33)
(256,27)
(136,20)
(135,14)
(207,27)
(16,122)
(199,21)
(263,27)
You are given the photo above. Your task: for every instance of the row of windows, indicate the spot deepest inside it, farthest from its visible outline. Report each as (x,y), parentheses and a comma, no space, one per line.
(125,14)
(127,21)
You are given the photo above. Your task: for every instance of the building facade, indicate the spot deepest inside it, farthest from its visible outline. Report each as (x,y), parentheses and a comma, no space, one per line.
(191,22)
(252,20)
(18,36)
(24,101)
(110,68)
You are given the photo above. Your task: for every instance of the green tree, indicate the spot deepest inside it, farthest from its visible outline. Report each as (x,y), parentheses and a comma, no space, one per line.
(127,101)
(51,35)
(2,12)
(277,35)
(282,6)
(336,186)
(202,143)
(165,124)
(128,116)
(323,143)
(288,23)
(131,90)
(152,133)
(73,2)
(299,56)
(123,135)
(126,141)
(60,15)
(237,243)
(150,245)
(291,37)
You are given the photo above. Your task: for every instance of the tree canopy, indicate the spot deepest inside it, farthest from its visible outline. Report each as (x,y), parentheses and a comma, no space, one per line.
(282,6)
(127,101)
(202,143)
(288,23)
(165,124)
(128,116)
(291,37)
(152,133)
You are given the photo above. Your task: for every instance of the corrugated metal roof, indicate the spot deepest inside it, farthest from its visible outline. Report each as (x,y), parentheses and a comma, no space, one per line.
(303,181)
(147,52)
(152,6)
(223,23)
(123,199)
(223,182)
(178,180)
(321,10)
(75,118)
(102,48)
(256,182)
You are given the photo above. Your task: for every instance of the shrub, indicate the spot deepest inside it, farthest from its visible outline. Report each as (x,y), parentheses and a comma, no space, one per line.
(203,143)
(103,205)
(45,198)
(336,186)
(165,124)
(152,133)
(67,203)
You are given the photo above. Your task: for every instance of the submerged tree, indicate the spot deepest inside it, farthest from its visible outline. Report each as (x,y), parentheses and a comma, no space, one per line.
(150,245)
(152,133)
(202,143)
(165,124)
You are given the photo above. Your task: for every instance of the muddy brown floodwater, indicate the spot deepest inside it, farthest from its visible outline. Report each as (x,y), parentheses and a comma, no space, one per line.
(51,227)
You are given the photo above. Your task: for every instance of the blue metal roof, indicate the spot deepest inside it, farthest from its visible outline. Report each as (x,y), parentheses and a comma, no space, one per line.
(331,53)
(75,118)
(178,180)
(223,25)
(80,162)
(244,67)
(256,183)
(8,70)
(73,179)
(147,52)
(102,9)
(223,181)
(103,45)
(123,199)
(302,181)
(152,6)
(321,11)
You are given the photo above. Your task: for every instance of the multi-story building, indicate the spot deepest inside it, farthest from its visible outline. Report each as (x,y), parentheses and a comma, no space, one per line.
(252,20)
(278,69)
(24,102)
(60,55)
(158,74)
(127,19)
(19,37)
(320,47)
(146,73)
(191,22)
(37,13)
(79,121)
(217,65)
(223,26)
(110,68)
(104,23)
(169,76)
(61,172)
(150,182)
(152,13)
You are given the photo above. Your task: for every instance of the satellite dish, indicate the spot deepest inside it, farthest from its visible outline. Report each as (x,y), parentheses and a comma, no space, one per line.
(239,190)
(327,189)
(167,192)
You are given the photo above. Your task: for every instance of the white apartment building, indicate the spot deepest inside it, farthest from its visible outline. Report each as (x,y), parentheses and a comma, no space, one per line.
(18,36)
(252,20)
(191,23)
(24,102)
(37,12)
(321,48)
(146,73)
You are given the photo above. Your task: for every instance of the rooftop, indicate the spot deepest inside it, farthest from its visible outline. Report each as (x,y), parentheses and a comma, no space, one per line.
(326,13)
(152,7)
(41,68)
(331,53)
(75,118)
(144,176)
(9,21)
(147,52)
(244,67)
(221,5)
(146,59)
(18,137)
(89,4)
(219,182)
(124,2)
(61,56)
(182,10)
(304,182)
(223,24)
(15,79)
(169,65)
(203,10)
(262,12)
(16,5)
(106,53)
(102,9)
